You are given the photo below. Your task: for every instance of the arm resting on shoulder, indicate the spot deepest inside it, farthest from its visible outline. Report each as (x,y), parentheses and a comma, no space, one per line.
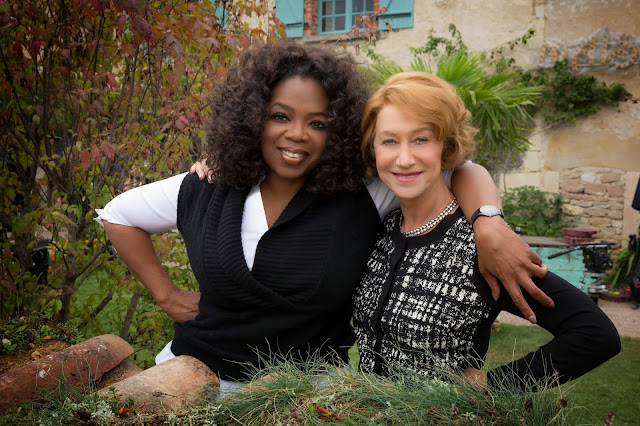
(502,254)
(584,338)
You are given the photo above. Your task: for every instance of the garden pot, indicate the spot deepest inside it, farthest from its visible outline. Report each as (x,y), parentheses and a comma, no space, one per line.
(616,295)
(575,236)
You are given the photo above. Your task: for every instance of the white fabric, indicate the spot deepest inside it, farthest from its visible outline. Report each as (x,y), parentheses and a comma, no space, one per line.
(152,207)
(254,225)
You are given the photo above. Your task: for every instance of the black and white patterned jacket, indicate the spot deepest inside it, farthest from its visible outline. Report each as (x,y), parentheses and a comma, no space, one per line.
(422,305)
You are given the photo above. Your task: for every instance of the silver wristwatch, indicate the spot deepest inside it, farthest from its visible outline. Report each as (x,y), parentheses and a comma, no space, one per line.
(486,211)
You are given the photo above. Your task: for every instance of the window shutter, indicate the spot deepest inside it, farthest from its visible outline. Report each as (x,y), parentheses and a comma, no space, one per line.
(291,13)
(399,14)
(218,11)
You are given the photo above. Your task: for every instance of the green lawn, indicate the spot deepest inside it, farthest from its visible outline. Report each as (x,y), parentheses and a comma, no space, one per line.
(614,386)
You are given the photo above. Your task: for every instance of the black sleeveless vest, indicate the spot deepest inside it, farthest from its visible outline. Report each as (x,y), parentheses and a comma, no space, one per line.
(296,302)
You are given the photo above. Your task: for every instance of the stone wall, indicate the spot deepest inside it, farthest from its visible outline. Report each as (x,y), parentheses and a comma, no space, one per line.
(595,195)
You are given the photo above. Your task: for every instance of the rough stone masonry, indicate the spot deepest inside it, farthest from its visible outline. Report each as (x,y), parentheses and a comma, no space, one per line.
(595,196)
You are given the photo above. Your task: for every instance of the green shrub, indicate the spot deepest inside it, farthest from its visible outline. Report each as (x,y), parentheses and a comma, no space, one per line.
(534,211)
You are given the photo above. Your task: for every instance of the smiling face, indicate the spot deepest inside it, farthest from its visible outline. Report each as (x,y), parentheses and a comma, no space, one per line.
(407,153)
(296,130)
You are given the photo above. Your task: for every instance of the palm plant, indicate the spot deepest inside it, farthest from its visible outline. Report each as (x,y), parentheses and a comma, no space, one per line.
(498,105)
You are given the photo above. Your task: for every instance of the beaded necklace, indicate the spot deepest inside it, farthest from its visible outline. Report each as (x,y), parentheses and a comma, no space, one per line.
(433,222)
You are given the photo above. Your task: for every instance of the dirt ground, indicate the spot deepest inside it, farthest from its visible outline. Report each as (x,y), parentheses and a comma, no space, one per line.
(625,318)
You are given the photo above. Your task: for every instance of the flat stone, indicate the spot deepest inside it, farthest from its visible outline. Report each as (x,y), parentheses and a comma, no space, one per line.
(78,364)
(572,185)
(574,209)
(600,222)
(172,385)
(595,211)
(583,204)
(615,214)
(615,190)
(595,188)
(571,174)
(610,177)
(591,177)
(582,197)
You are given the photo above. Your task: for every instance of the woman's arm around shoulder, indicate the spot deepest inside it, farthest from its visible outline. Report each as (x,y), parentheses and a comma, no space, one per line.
(502,254)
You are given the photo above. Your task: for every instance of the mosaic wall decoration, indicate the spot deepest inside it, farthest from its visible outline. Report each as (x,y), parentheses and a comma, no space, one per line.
(603,48)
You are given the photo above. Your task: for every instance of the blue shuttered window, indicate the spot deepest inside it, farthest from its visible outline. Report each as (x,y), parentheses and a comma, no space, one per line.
(338,16)
(399,14)
(291,13)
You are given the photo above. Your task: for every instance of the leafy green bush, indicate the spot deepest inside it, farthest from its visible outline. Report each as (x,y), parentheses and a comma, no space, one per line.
(569,96)
(534,211)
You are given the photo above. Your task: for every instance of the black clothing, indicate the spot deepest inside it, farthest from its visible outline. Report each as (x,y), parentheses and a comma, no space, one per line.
(423,304)
(296,300)
(636,198)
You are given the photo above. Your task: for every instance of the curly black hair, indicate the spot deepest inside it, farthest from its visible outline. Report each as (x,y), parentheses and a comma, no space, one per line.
(239,111)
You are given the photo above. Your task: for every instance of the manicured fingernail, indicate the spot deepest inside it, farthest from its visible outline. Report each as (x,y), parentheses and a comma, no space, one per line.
(495,296)
(209,178)
(552,305)
(201,176)
(532,319)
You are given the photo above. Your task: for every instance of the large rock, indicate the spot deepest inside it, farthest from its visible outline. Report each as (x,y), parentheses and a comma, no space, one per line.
(172,385)
(78,364)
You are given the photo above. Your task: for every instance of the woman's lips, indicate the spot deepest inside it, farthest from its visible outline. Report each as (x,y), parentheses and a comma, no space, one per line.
(406,177)
(291,153)
(292,156)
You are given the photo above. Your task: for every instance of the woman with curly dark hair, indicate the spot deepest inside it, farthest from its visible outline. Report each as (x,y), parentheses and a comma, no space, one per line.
(279,240)
(239,113)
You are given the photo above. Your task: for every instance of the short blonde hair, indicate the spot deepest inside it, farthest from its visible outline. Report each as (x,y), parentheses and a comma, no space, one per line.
(426,98)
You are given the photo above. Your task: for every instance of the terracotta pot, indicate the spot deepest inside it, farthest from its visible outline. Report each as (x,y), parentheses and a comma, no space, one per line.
(622,296)
(578,232)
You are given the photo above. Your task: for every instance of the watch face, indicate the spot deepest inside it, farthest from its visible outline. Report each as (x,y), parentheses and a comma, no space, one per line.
(490,211)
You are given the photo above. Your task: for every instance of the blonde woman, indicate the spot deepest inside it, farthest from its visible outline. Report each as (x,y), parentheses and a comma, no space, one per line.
(422,303)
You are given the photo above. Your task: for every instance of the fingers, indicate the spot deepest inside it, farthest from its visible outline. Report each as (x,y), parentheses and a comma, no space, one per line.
(518,299)
(492,281)
(540,271)
(535,258)
(537,294)
(197,168)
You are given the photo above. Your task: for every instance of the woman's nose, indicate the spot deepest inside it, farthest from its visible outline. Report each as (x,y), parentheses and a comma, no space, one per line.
(405,156)
(297,131)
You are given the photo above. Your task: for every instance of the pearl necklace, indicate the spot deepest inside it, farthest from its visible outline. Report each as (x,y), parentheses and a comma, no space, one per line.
(433,222)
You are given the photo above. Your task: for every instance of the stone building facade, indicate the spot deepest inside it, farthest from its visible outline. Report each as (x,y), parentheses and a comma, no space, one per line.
(595,163)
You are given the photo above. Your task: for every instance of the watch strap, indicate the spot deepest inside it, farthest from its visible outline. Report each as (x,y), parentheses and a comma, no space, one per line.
(497,212)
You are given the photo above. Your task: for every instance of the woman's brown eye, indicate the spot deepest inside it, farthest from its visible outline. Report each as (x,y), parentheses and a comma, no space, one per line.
(279,116)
